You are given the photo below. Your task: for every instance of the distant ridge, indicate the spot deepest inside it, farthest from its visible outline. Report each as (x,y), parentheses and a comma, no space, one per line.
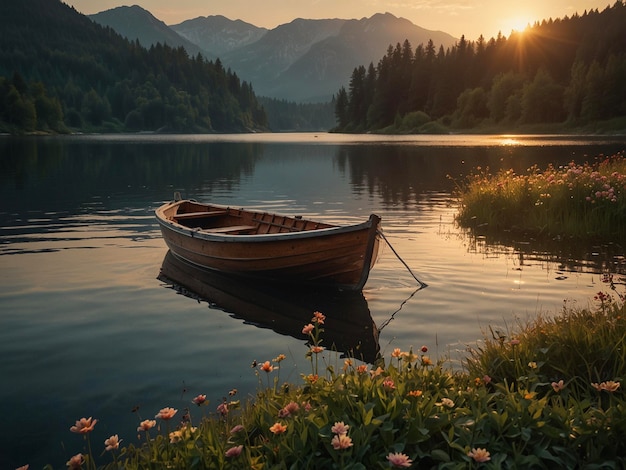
(304,60)
(135,23)
(219,34)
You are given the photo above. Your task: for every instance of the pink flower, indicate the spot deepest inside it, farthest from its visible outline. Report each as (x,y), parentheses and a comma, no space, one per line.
(308,329)
(76,461)
(389,385)
(278,428)
(318,318)
(234,451)
(424,349)
(515,342)
(84,425)
(317,349)
(558,386)
(340,428)
(609,386)
(166,413)
(146,425)
(397,352)
(486,379)
(222,408)
(288,410)
(267,367)
(479,455)
(237,429)
(199,400)
(399,460)
(112,442)
(341,441)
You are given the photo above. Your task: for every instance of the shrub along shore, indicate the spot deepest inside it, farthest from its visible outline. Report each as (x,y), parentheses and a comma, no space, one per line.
(573,201)
(546,395)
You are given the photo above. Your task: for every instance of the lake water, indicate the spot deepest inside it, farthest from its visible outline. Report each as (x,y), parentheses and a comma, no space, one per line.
(88,328)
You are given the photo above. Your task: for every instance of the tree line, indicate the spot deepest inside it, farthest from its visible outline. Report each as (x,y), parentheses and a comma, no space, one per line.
(570,70)
(60,70)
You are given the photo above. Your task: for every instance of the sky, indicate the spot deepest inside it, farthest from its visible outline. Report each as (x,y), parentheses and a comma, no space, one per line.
(470,18)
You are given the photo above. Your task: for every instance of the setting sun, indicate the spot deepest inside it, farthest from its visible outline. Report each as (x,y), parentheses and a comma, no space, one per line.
(516,23)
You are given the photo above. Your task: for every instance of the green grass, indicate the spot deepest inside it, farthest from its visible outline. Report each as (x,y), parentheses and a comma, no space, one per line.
(546,395)
(574,201)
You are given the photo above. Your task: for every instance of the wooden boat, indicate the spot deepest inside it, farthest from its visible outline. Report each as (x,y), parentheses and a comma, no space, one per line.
(349,327)
(270,246)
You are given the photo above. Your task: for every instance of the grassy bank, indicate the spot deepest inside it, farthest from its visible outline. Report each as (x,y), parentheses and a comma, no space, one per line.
(576,201)
(547,394)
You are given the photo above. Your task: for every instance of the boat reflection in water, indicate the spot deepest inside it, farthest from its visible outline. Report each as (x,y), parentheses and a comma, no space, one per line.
(349,327)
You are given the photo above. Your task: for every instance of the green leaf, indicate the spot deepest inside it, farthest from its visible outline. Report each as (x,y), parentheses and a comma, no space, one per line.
(440,456)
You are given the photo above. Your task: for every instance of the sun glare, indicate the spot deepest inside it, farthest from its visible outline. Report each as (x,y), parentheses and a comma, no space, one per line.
(517,23)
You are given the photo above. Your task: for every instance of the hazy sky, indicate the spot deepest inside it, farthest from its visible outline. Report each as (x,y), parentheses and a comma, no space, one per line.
(457,17)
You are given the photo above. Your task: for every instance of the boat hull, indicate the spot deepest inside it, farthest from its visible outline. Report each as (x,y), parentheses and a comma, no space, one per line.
(340,256)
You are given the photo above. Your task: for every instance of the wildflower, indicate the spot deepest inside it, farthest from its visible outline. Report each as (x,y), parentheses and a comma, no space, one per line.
(340,428)
(341,441)
(446,402)
(486,379)
(280,358)
(361,369)
(288,410)
(377,372)
(532,364)
(515,342)
(609,386)
(234,451)
(347,363)
(409,357)
(399,460)
(317,349)
(232,392)
(199,400)
(558,386)
(76,461)
(415,393)
(84,425)
(146,425)
(166,413)
(318,318)
(530,395)
(397,352)
(112,442)
(308,329)
(479,455)
(426,361)
(237,429)
(176,436)
(312,378)
(222,408)
(424,349)
(278,428)
(267,367)
(389,385)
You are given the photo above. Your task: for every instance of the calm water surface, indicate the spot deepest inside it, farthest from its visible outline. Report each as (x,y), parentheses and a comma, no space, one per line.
(88,328)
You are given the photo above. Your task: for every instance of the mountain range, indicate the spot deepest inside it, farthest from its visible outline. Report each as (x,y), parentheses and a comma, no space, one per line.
(303,61)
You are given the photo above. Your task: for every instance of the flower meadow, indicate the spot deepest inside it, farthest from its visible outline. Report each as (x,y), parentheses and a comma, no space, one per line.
(548,395)
(585,201)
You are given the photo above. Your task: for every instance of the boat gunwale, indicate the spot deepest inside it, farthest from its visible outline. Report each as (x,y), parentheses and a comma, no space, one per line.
(200,234)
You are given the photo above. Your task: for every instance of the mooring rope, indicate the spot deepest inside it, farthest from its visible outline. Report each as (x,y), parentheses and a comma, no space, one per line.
(422,284)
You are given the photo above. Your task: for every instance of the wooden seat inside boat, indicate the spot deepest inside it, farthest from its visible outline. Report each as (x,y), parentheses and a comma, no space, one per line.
(199,215)
(232,229)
